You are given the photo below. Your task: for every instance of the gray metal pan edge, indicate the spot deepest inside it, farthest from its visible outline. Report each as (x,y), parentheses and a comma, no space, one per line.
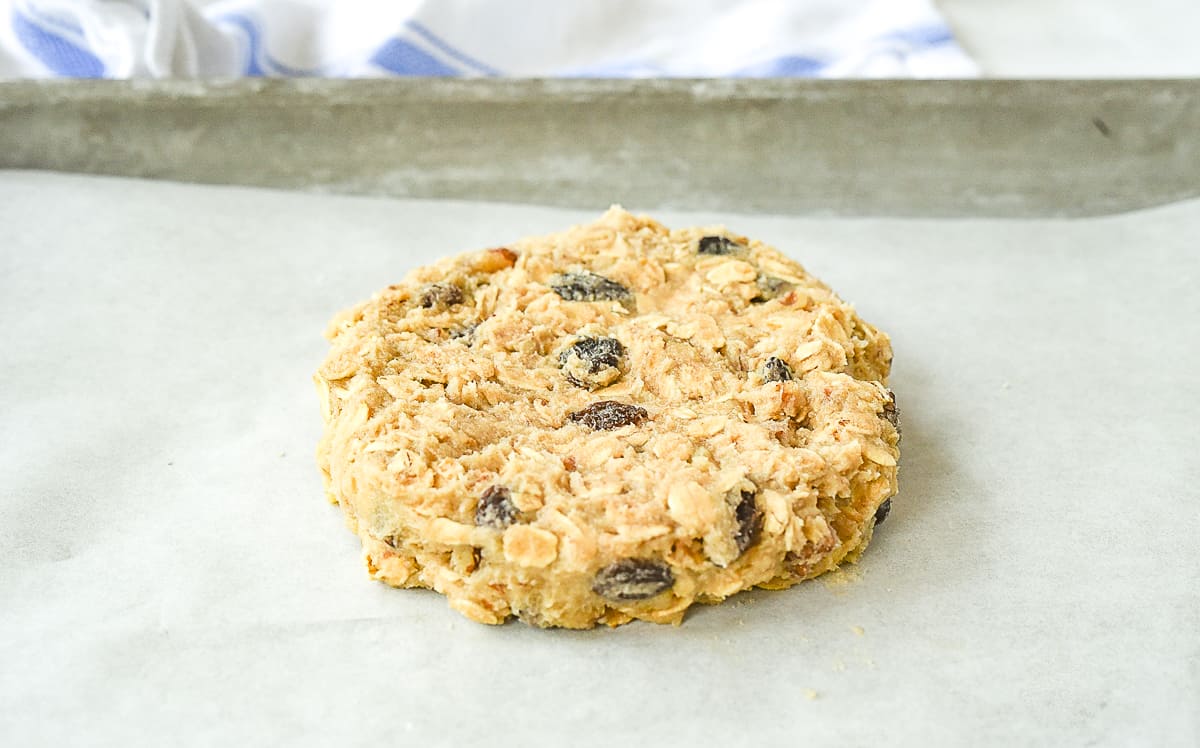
(901,148)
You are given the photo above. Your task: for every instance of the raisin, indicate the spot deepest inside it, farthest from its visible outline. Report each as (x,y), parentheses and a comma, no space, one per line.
(609,414)
(633,579)
(440,295)
(588,286)
(775,370)
(882,512)
(890,412)
(749,521)
(465,333)
(496,509)
(719,245)
(769,288)
(592,362)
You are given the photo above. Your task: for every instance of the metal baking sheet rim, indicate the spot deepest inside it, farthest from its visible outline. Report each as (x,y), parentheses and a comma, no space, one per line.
(792,147)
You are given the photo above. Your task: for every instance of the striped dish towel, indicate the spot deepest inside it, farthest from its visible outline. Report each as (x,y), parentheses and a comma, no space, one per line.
(474,38)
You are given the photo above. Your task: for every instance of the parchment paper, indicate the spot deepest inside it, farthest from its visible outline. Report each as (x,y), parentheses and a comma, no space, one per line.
(170,573)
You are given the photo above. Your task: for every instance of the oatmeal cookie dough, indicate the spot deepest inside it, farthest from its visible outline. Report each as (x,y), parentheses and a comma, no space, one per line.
(610,423)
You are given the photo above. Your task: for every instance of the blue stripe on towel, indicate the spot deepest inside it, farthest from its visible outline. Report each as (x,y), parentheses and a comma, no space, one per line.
(253,43)
(923,36)
(61,55)
(60,44)
(788,66)
(405,58)
(396,56)
(423,31)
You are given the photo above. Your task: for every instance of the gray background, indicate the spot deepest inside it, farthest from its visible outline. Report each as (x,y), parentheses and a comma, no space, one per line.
(1078,38)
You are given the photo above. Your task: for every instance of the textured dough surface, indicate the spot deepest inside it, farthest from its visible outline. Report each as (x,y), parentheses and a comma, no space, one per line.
(469,443)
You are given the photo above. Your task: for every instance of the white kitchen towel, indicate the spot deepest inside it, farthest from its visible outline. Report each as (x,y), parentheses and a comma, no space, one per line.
(529,38)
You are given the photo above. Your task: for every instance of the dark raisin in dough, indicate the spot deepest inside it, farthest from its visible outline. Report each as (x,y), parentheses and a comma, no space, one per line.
(588,286)
(592,362)
(891,412)
(609,414)
(719,245)
(749,521)
(769,288)
(775,370)
(496,509)
(882,512)
(633,579)
(465,333)
(440,295)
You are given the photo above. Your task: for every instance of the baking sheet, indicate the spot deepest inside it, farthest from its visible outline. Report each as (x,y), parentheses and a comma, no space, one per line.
(785,146)
(171,574)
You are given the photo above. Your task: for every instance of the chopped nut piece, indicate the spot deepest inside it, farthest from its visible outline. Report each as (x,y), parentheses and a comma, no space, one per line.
(494,260)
